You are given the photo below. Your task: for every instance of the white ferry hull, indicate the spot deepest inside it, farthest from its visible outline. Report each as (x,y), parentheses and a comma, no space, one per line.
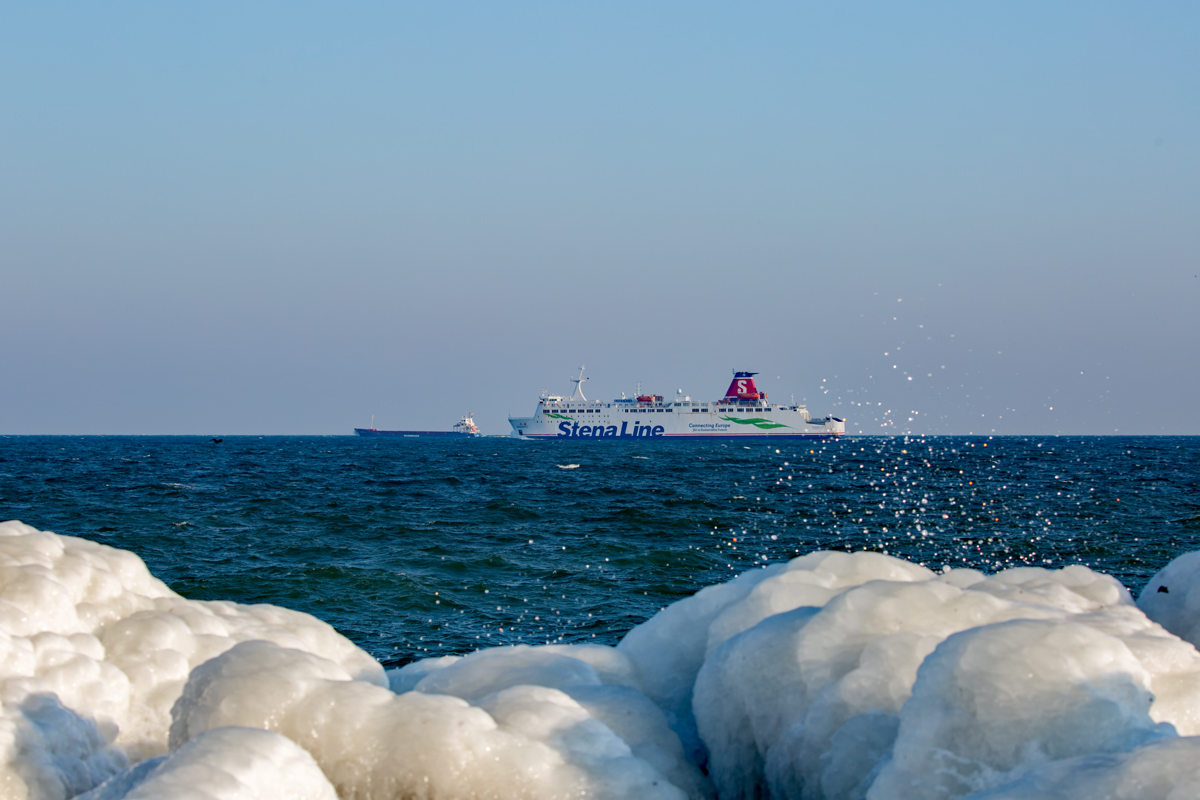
(654,418)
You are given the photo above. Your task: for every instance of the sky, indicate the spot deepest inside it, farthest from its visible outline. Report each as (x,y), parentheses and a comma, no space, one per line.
(296,218)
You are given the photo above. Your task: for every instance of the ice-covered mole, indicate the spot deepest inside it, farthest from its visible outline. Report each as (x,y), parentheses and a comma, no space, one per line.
(834,675)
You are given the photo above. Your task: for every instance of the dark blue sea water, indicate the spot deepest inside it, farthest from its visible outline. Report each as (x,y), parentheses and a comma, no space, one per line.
(420,547)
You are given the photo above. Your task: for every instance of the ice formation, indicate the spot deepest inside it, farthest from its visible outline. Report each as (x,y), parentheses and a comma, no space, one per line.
(835,675)
(224,764)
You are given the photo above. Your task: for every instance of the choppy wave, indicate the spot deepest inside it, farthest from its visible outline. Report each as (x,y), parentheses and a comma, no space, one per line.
(832,675)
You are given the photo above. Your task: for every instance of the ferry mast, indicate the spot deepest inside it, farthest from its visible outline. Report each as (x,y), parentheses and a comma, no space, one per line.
(578,385)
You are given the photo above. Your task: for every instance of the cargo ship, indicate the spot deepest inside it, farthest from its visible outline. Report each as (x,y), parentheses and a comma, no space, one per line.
(464,429)
(744,412)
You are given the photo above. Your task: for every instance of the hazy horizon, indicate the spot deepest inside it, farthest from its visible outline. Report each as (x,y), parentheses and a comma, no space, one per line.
(284,219)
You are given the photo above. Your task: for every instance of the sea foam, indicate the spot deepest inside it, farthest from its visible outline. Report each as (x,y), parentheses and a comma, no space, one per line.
(835,675)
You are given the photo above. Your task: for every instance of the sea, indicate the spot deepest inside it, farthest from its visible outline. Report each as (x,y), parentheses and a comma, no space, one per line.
(421,547)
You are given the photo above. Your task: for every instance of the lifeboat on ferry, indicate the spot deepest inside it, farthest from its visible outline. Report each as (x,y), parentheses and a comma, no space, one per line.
(649,398)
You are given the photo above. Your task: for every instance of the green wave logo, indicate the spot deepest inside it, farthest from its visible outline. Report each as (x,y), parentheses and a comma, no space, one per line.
(758,422)
(559,416)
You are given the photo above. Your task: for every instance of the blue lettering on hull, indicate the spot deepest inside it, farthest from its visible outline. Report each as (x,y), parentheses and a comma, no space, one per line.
(569,430)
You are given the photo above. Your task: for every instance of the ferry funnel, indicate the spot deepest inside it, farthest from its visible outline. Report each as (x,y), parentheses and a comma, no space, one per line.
(742,387)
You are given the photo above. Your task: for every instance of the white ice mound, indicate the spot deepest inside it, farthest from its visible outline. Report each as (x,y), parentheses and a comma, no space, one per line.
(224,764)
(669,649)
(94,652)
(1172,597)
(520,741)
(1162,770)
(600,679)
(817,700)
(994,700)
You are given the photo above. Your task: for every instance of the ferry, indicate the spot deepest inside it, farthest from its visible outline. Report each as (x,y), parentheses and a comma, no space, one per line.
(464,428)
(744,412)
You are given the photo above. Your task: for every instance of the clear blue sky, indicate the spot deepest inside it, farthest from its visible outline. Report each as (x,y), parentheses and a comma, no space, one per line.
(283,218)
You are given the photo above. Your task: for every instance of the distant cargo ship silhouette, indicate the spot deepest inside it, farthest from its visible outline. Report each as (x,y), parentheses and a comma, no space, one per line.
(465,428)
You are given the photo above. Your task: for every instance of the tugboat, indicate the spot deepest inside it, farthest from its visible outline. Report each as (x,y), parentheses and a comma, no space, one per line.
(463,429)
(744,411)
